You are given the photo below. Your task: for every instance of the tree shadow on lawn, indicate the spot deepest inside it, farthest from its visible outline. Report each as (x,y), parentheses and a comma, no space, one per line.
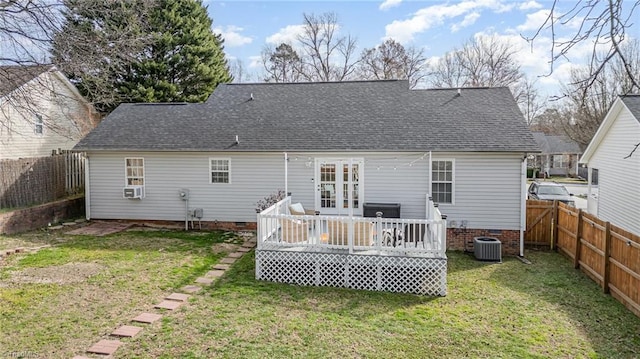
(612,330)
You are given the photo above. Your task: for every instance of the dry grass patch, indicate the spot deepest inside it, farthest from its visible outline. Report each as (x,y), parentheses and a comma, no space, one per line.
(60,300)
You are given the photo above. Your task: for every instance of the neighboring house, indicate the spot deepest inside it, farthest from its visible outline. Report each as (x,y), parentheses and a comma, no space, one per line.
(467,148)
(614,172)
(559,155)
(40,112)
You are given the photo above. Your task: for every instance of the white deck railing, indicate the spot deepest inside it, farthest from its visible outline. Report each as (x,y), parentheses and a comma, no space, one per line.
(279,230)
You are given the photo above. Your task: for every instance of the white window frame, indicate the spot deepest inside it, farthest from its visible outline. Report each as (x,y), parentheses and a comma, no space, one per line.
(228,171)
(453,180)
(39,125)
(126,174)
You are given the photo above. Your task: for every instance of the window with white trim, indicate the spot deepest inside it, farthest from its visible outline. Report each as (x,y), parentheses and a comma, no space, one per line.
(134,171)
(442,181)
(220,169)
(39,125)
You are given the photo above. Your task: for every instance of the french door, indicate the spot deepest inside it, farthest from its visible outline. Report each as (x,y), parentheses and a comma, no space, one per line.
(334,178)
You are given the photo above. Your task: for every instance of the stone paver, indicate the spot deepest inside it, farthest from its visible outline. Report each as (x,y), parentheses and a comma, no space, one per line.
(190,288)
(69,223)
(221,266)
(244,250)
(178,297)
(147,318)
(126,331)
(80,357)
(249,244)
(204,280)
(168,304)
(214,273)
(56,227)
(228,260)
(235,255)
(105,347)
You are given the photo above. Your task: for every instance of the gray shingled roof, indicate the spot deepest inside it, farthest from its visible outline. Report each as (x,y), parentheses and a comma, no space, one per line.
(633,104)
(12,77)
(339,116)
(556,144)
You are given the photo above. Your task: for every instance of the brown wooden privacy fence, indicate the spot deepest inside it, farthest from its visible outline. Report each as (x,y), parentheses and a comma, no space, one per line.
(32,181)
(606,253)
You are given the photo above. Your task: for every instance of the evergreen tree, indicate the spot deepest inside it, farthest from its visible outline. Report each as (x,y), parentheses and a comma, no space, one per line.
(140,51)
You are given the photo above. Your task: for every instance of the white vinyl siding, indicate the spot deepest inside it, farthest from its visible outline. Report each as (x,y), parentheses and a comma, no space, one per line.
(220,169)
(65,119)
(487,186)
(618,178)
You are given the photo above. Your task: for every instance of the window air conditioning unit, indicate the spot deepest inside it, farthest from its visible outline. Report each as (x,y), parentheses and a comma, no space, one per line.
(133,192)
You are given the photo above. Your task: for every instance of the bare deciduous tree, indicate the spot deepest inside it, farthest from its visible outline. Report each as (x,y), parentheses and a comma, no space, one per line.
(319,53)
(585,107)
(481,62)
(391,60)
(531,103)
(484,61)
(605,24)
(282,64)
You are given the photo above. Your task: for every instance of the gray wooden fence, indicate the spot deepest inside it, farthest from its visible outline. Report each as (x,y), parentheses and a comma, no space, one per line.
(31,181)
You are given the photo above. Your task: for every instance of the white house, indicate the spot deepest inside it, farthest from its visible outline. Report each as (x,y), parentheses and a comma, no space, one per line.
(40,112)
(613,158)
(464,147)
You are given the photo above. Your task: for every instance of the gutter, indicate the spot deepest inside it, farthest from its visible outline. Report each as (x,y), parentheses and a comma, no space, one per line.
(523,202)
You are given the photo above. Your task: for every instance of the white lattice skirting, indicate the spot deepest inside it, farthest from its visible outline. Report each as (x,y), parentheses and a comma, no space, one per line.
(418,275)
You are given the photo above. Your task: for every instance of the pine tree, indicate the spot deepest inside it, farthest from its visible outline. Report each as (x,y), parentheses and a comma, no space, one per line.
(185,62)
(140,51)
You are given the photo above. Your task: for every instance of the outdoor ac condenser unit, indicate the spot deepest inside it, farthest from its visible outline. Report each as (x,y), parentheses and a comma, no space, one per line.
(133,192)
(487,249)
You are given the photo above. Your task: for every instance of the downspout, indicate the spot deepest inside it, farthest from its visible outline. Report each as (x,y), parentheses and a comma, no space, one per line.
(286,174)
(87,188)
(523,202)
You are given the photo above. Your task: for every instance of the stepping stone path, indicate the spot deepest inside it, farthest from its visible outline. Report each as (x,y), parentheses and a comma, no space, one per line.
(105,347)
(126,331)
(170,302)
(191,288)
(204,280)
(228,260)
(147,318)
(178,297)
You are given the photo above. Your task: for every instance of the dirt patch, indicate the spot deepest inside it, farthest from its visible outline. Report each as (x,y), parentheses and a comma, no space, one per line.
(224,248)
(64,274)
(100,229)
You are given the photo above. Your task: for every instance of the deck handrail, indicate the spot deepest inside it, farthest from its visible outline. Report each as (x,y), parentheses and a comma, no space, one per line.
(279,230)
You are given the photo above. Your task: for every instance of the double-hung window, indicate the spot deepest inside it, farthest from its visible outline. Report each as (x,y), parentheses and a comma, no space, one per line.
(39,125)
(134,171)
(442,176)
(220,170)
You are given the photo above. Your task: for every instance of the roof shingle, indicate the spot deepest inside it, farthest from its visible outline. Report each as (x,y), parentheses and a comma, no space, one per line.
(338,116)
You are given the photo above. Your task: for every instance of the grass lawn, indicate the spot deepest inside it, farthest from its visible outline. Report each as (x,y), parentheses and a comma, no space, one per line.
(509,310)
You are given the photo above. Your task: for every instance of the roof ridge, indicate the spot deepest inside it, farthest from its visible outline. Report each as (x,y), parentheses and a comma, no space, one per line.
(313,82)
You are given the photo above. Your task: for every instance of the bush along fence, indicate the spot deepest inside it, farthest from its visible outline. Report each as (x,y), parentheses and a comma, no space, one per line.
(32,181)
(608,254)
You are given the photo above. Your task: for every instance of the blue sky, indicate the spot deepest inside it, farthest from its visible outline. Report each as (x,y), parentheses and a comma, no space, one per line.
(435,26)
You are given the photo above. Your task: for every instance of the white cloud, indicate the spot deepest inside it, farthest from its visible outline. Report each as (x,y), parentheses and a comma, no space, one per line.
(388,4)
(287,34)
(530,5)
(534,21)
(404,31)
(255,61)
(232,37)
(468,20)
